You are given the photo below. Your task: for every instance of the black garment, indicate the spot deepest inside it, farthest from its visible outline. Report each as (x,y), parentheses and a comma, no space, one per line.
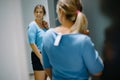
(36,64)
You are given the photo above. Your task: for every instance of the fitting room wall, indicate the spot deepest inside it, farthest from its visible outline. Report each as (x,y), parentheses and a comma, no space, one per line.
(97,22)
(12,42)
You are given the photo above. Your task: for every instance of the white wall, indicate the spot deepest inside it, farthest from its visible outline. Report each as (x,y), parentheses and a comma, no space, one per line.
(12,43)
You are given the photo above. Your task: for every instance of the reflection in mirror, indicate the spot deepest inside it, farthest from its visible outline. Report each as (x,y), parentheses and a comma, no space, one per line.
(96,22)
(28,16)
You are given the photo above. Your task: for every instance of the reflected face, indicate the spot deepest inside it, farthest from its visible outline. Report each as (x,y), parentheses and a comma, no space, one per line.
(39,13)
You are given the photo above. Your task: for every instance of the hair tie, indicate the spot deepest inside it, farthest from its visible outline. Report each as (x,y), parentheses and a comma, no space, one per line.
(78,11)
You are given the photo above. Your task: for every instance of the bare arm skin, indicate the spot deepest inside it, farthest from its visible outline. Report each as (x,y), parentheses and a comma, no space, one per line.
(49,72)
(97,74)
(45,24)
(36,51)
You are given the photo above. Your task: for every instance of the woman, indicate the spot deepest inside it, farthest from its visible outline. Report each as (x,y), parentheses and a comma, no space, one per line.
(69,54)
(36,31)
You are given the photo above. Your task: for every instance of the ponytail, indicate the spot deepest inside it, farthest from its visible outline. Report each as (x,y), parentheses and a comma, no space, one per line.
(80,24)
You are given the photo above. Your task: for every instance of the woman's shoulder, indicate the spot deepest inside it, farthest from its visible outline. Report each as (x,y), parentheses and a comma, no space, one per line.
(82,37)
(53,30)
(50,30)
(48,34)
(32,25)
(86,39)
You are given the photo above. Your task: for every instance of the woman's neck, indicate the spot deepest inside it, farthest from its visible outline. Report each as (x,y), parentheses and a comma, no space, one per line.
(39,22)
(64,28)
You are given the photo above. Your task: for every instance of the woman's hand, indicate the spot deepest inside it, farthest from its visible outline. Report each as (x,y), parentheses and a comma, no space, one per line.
(86,32)
(45,24)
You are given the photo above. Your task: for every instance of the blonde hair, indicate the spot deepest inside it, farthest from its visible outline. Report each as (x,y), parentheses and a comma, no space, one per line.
(71,8)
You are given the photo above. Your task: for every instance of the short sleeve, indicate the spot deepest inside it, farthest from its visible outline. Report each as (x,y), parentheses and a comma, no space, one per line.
(46,63)
(91,57)
(31,34)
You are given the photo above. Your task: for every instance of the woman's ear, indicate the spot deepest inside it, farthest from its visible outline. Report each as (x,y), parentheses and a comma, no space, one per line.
(61,15)
(60,12)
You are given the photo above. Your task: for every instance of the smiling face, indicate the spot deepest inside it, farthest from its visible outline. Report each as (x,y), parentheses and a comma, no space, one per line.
(39,13)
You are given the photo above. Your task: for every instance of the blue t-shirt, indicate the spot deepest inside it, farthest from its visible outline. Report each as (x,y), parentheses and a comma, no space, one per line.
(35,34)
(70,56)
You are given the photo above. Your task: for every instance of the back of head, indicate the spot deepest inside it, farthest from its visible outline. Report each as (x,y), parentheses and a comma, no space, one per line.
(73,12)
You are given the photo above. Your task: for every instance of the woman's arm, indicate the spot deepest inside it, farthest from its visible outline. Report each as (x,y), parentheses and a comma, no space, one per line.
(86,32)
(97,74)
(36,51)
(45,24)
(49,72)
(92,59)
